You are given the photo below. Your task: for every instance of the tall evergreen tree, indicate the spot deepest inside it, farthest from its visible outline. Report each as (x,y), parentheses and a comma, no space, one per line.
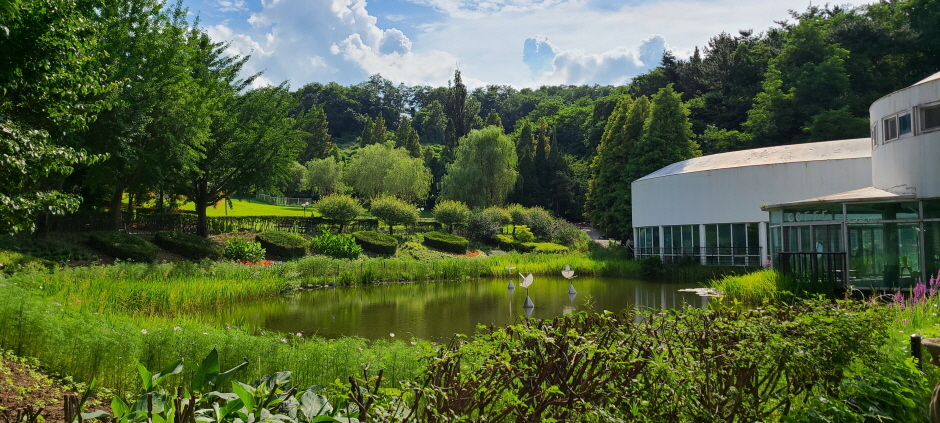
(666,138)
(407,138)
(317,140)
(607,170)
(527,183)
(433,123)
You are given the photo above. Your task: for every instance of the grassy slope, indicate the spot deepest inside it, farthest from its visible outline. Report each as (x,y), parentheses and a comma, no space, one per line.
(254,208)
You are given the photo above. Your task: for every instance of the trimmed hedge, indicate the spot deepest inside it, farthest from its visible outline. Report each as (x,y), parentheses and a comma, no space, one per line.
(447,242)
(508,243)
(283,245)
(376,242)
(188,245)
(547,247)
(123,246)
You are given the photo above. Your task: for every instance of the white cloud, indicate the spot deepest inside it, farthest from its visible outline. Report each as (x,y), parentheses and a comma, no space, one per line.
(592,41)
(613,67)
(230,6)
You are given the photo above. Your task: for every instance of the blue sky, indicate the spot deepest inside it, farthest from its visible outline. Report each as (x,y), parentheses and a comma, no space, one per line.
(524,43)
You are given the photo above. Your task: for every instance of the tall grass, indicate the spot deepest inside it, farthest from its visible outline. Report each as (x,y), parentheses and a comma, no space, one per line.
(768,285)
(108,346)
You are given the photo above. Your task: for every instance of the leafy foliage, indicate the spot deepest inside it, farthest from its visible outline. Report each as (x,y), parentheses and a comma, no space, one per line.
(381,169)
(335,245)
(340,209)
(484,170)
(393,211)
(451,213)
(123,246)
(241,250)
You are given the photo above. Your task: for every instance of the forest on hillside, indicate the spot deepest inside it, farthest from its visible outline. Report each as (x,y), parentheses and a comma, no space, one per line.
(132,99)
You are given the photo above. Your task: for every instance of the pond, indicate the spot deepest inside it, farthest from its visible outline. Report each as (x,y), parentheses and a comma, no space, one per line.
(436,311)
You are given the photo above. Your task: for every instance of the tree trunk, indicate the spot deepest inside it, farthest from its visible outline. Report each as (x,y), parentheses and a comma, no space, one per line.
(201,200)
(116,198)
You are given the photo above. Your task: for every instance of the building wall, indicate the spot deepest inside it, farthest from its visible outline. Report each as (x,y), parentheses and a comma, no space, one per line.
(911,160)
(735,195)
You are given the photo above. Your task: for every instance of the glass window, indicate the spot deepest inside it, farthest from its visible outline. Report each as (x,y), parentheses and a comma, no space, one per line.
(753,239)
(724,239)
(667,237)
(932,209)
(891,128)
(687,237)
(904,124)
(776,217)
(711,236)
(874,136)
(931,117)
(882,211)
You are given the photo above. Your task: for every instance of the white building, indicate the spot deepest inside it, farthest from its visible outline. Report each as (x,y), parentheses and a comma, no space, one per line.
(866,209)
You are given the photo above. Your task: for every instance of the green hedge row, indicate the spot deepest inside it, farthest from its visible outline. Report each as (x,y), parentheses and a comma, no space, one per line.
(508,243)
(123,246)
(447,242)
(376,242)
(188,245)
(285,245)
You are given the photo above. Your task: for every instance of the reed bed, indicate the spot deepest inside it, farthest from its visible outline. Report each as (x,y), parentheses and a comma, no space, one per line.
(753,288)
(107,346)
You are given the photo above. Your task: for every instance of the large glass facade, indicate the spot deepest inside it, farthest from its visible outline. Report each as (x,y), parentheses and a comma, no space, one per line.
(732,244)
(681,243)
(884,245)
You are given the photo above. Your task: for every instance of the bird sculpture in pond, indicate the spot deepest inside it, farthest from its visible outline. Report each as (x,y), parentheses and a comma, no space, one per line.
(525,282)
(567,273)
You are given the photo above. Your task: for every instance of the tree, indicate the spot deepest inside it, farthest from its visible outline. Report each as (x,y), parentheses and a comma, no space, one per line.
(483,171)
(451,213)
(27,159)
(324,176)
(610,164)
(407,138)
(493,119)
(433,123)
(393,211)
(462,113)
(382,169)
(317,140)
(527,181)
(340,209)
(252,146)
(374,132)
(666,139)
(47,53)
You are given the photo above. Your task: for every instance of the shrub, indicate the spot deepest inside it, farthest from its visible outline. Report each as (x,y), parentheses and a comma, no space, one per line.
(188,245)
(13,262)
(447,242)
(335,245)
(516,214)
(123,246)
(523,234)
(571,236)
(241,250)
(499,214)
(339,209)
(484,224)
(393,211)
(540,223)
(48,249)
(376,242)
(285,245)
(451,213)
(508,243)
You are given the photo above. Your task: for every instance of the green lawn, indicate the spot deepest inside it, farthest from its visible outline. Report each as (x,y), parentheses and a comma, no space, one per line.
(254,208)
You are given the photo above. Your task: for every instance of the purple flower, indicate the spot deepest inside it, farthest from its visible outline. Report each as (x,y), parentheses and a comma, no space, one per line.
(899,299)
(920,293)
(933,286)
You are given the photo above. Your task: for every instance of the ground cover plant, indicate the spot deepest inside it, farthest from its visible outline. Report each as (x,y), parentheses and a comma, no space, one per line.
(242,250)
(47,249)
(335,245)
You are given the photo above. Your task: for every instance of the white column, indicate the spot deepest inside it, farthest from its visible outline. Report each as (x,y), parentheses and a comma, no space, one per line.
(662,241)
(762,240)
(701,242)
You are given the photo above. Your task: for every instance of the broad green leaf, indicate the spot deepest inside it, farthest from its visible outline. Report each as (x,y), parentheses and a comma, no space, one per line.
(206,372)
(119,407)
(95,415)
(222,377)
(246,394)
(172,369)
(312,405)
(146,378)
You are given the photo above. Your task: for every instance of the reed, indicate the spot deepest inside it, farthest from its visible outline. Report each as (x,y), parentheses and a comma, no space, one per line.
(69,340)
(753,288)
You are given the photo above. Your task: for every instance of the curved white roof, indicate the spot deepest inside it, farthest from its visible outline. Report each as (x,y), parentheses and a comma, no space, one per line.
(933,77)
(827,150)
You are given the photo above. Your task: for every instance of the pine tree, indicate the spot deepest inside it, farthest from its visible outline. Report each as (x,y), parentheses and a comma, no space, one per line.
(667,136)
(318,145)
(607,171)
(407,138)
(527,184)
(366,137)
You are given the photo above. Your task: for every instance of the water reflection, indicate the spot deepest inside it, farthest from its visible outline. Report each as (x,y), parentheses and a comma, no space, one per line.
(438,310)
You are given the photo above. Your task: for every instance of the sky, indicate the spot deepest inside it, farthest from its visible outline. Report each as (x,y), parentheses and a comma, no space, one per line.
(523,43)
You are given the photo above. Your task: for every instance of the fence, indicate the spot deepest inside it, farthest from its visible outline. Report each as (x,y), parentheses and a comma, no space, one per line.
(714,256)
(283,201)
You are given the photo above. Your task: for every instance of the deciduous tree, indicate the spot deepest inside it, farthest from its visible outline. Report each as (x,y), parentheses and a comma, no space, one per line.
(483,171)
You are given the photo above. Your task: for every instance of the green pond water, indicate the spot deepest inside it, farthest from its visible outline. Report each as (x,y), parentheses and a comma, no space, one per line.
(436,311)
